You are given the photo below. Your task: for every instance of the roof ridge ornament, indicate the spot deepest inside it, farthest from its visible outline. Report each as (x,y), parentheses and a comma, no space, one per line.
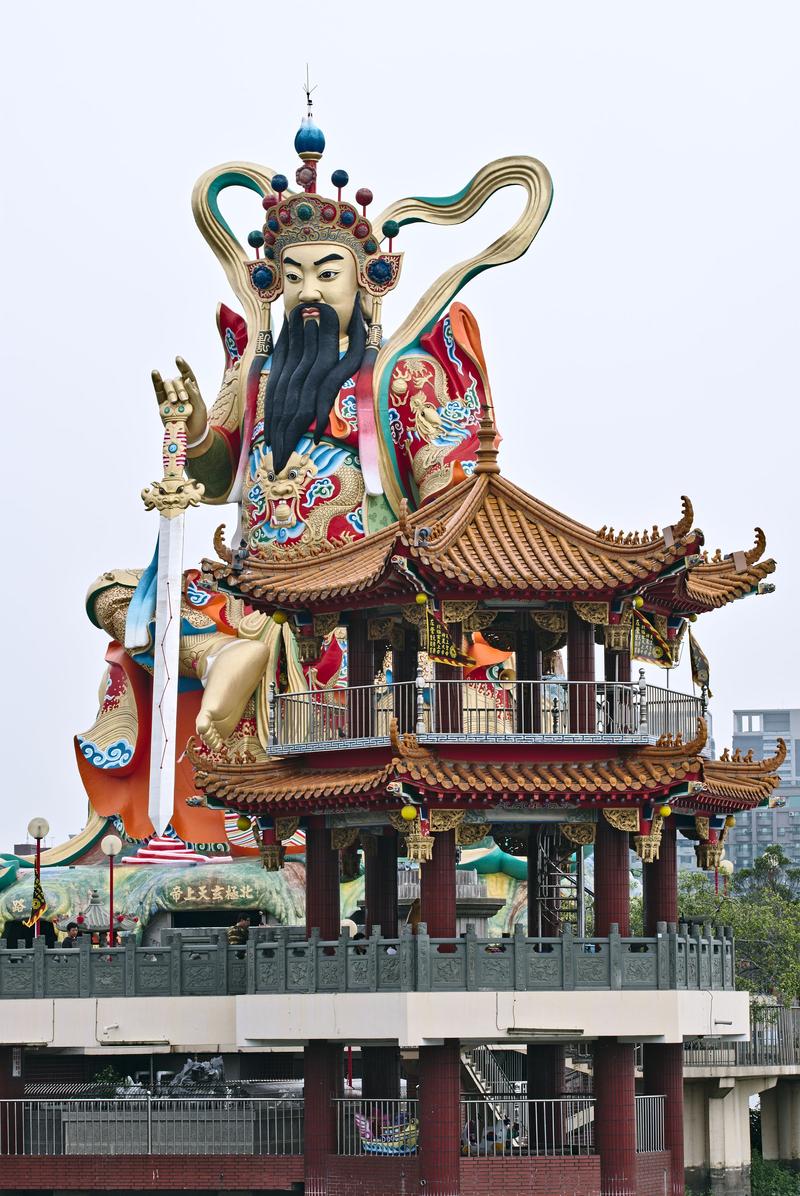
(487,444)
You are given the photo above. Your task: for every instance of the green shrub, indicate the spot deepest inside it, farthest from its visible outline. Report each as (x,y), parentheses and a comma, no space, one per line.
(770,1179)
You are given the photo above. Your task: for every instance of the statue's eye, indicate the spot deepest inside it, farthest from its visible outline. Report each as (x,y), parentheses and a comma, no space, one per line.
(270,476)
(292,277)
(293,475)
(328,275)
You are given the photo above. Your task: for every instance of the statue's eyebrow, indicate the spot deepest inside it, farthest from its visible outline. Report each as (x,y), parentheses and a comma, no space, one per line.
(332,257)
(289,261)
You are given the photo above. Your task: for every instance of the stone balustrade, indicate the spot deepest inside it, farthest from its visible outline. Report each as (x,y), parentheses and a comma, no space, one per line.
(676,958)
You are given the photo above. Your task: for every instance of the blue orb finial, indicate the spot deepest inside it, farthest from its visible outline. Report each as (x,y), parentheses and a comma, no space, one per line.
(309,139)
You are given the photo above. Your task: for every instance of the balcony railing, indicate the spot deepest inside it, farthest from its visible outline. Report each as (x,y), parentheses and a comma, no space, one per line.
(673,959)
(146,1124)
(774,1042)
(549,711)
(492,1126)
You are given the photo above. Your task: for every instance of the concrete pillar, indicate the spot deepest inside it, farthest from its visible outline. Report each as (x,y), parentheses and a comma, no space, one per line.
(438,887)
(322,880)
(322,1085)
(780,1123)
(612,896)
(663,1076)
(615,1116)
(580,667)
(440,1119)
(380,883)
(660,882)
(717,1133)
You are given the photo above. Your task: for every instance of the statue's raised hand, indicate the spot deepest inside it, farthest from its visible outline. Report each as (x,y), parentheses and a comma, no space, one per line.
(182,390)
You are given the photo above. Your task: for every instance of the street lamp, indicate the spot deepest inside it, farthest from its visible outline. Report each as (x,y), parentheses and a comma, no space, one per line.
(38,829)
(111,845)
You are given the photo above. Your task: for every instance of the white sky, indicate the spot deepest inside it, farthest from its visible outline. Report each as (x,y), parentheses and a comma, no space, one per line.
(644,348)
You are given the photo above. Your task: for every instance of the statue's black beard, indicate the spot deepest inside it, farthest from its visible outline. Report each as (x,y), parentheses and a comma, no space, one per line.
(307,375)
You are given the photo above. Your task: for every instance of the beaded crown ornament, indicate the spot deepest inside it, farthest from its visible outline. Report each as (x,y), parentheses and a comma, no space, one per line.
(306,217)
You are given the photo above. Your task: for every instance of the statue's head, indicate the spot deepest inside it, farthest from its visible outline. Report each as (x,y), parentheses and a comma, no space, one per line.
(325,260)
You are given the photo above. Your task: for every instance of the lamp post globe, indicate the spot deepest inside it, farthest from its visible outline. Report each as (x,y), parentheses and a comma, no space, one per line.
(111,845)
(38,828)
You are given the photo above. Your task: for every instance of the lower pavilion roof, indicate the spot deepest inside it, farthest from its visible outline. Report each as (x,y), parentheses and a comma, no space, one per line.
(634,775)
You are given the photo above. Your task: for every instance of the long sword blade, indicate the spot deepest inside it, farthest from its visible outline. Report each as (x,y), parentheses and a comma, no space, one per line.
(165,672)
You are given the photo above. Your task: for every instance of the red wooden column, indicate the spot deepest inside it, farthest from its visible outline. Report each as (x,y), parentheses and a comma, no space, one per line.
(380,1066)
(404,675)
(663,1062)
(615,1116)
(322,880)
(11,1088)
(663,1076)
(450,694)
(612,894)
(438,887)
(528,660)
(380,884)
(620,712)
(323,1069)
(660,882)
(440,1119)
(361,670)
(580,667)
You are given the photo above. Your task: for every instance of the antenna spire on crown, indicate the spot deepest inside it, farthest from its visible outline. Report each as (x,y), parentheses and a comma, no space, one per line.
(308,89)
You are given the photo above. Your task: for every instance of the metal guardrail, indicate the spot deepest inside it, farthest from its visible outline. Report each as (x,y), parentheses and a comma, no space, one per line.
(503,1127)
(152,1125)
(676,958)
(774,1042)
(382,1127)
(551,710)
(649,1123)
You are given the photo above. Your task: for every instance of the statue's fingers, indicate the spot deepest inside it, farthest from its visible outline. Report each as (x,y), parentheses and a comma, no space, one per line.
(158,385)
(186,371)
(169,388)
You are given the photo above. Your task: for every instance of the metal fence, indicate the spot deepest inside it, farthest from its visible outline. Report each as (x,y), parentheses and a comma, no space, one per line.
(774,1042)
(649,1123)
(675,958)
(384,1127)
(553,709)
(500,1126)
(152,1125)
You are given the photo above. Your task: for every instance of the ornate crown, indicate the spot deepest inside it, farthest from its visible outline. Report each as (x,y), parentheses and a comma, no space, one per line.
(307,217)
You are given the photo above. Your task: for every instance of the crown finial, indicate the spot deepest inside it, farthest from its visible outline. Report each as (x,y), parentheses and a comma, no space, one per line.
(487,452)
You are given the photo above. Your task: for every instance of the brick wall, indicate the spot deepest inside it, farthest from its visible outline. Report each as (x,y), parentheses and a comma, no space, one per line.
(371,1176)
(532,1177)
(195,1173)
(650,1170)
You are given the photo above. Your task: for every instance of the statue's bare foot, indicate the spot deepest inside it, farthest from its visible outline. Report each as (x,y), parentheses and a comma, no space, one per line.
(208,732)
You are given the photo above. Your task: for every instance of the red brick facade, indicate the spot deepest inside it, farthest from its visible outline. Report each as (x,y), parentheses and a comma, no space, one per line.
(197,1173)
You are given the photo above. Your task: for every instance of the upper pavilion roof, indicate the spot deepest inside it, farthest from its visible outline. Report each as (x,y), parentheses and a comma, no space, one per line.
(487,538)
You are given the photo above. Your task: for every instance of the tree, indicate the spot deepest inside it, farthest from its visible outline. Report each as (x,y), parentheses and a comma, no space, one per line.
(762,907)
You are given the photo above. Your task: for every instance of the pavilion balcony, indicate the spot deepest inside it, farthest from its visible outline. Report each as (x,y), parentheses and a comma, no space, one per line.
(465,711)
(677,958)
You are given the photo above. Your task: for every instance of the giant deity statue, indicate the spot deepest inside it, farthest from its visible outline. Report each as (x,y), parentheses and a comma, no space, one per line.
(321,436)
